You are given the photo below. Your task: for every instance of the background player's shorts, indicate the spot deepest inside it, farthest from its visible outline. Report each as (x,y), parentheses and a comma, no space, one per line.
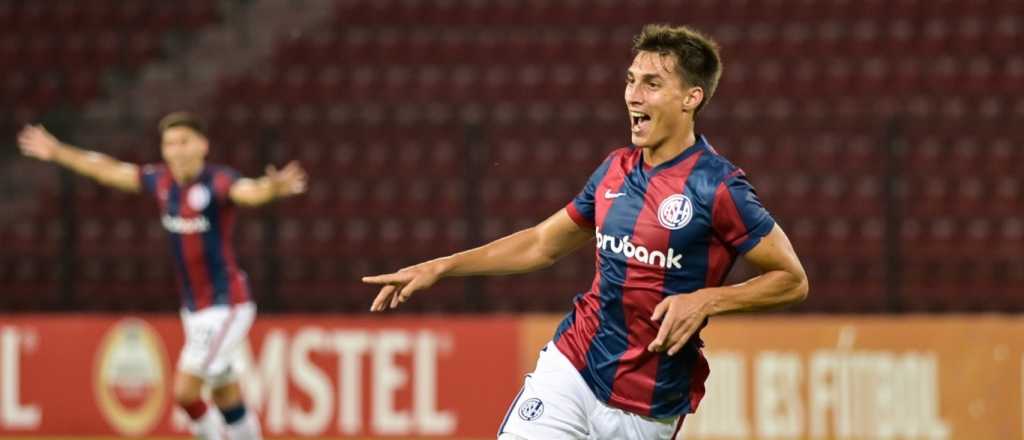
(212,338)
(555,403)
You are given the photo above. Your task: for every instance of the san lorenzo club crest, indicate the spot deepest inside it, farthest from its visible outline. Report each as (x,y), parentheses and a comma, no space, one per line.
(531,409)
(675,212)
(198,197)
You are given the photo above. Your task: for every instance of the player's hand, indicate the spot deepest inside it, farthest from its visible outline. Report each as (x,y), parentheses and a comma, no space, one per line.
(36,142)
(680,315)
(288,181)
(399,286)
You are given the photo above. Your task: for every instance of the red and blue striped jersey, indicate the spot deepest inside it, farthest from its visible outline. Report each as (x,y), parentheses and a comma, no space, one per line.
(200,220)
(667,230)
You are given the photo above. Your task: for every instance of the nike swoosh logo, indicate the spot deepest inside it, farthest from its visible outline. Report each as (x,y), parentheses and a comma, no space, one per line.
(608,194)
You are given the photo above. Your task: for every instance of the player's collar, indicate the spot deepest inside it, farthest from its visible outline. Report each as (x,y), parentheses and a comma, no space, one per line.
(197,178)
(700,144)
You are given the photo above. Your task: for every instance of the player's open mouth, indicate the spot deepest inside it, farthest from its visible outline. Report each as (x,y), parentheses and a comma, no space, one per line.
(639,121)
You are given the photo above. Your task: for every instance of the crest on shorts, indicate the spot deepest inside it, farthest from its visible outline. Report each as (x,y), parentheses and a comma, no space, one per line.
(198,197)
(675,212)
(531,409)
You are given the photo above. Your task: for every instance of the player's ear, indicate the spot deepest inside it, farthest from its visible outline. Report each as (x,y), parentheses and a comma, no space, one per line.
(205,146)
(693,98)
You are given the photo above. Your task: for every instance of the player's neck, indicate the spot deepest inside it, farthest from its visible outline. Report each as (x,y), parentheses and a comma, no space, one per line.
(184,177)
(670,149)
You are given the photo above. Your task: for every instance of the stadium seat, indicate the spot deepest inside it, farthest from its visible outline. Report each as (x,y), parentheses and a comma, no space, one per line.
(388,101)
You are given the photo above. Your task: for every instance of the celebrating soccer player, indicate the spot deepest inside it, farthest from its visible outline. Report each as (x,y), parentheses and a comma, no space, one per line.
(197,206)
(670,216)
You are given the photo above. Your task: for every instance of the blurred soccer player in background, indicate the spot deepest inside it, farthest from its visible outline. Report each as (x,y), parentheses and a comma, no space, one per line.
(670,216)
(198,208)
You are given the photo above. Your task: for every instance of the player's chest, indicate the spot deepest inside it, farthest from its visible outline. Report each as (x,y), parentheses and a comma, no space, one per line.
(185,201)
(669,212)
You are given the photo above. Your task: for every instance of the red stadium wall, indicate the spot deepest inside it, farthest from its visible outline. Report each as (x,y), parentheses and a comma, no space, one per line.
(807,377)
(86,375)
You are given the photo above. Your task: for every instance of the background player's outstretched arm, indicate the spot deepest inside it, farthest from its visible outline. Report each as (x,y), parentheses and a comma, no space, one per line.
(524,251)
(782,281)
(275,184)
(36,142)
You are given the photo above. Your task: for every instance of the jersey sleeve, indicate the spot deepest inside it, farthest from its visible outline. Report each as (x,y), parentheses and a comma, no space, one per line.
(223,178)
(738,217)
(148,177)
(581,208)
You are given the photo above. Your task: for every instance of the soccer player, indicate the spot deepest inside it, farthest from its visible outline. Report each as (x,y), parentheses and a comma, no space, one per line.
(670,216)
(198,208)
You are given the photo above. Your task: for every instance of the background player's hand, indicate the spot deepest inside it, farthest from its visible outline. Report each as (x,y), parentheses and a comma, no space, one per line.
(287,181)
(680,315)
(36,142)
(399,286)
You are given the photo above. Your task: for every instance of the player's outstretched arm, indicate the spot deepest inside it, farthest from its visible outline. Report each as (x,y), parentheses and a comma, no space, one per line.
(275,184)
(36,142)
(782,281)
(523,251)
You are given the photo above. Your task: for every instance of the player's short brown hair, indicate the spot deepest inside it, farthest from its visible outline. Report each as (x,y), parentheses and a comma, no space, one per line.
(182,119)
(696,55)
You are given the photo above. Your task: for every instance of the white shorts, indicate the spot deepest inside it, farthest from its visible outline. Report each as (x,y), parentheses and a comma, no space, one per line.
(212,338)
(555,403)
